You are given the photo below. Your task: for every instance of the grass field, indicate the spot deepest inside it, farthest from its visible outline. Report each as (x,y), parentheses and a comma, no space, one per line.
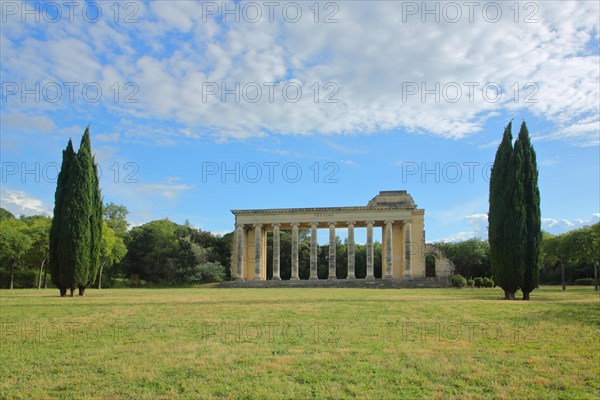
(299,344)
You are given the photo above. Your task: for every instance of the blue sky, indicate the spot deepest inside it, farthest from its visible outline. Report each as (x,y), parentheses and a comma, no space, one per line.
(406,100)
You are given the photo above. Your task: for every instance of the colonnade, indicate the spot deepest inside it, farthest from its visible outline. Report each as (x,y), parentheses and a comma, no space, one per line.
(249,259)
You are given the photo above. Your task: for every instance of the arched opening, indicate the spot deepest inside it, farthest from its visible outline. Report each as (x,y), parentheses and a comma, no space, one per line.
(430,266)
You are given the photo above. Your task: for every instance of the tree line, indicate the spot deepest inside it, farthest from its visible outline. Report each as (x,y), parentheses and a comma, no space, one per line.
(158,253)
(570,258)
(163,253)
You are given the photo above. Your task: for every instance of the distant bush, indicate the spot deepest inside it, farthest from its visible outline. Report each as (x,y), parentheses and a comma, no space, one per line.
(487,282)
(134,281)
(478,282)
(584,281)
(458,281)
(209,272)
(470,283)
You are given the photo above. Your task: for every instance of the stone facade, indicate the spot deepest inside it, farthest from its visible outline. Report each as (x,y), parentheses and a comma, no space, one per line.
(394,212)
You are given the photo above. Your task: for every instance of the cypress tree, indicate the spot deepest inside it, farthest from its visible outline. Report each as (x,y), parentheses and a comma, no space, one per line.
(55,230)
(515,231)
(95,211)
(533,222)
(79,221)
(498,212)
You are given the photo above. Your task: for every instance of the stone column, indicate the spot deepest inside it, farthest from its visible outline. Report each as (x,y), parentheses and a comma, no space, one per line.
(351,265)
(276,253)
(314,247)
(332,251)
(370,250)
(258,252)
(294,252)
(408,269)
(239,254)
(388,250)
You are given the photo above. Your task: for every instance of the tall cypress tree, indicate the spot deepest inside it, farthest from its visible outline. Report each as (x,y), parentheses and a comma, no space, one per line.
(498,214)
(515,231)
(79,221)
(533,222)
(94,211)
(54,259)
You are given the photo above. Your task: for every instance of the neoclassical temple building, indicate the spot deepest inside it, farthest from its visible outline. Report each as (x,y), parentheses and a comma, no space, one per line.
(395,212)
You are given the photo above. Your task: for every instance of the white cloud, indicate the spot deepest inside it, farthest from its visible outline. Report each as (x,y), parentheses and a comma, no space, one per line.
(558,226)
(169,189)
(550,161)
(479,229)
(372,55)
(21,203)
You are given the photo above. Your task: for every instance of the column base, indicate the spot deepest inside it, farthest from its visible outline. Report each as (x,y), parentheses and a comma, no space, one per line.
(408,274)
(258,278)
(276,278)
(351,277)
(238,279)
(370,278)
(332,277)
(313,278)
(294,278)
(388,276)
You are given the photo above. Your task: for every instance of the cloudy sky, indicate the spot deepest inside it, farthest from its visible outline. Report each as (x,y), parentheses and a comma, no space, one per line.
(197,108)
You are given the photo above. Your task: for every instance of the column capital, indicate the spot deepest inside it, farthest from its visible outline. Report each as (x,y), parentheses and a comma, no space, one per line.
(350,223)
(314,224)
(277,225)
(369,222)
(388,221)
(408,221)
(257,225)
(295,224)
(331,223)
(239,225)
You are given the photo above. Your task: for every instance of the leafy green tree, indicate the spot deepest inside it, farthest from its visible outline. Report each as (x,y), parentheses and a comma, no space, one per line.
(5,214)
(470,257)
(533,221)
(14,245)
(581,247)
(112,250)
(161,252)
(116,218)
(38,230)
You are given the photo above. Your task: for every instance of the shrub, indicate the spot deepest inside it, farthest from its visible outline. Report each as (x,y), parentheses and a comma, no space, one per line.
(209,272)
(134,281)
(458,281)
(478,282)
(487,282)
(584,281)
(470,283)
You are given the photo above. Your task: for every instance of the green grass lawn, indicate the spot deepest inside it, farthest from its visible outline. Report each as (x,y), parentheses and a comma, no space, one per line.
(300,344)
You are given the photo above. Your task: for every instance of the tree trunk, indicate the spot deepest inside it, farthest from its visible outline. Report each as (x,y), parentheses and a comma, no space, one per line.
(506,295)
(45,278)
(596,276)
(81,291)
(40,275)
(12,274)
(562,276)
(100,276)
(71,290)
(525,295)
(511,296)
(63,292)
